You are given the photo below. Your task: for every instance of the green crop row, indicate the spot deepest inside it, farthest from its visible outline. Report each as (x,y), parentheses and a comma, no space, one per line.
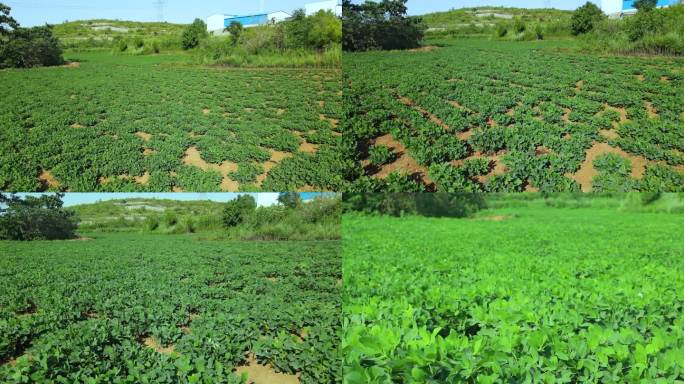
(207,304)
(537,109)
(519,295)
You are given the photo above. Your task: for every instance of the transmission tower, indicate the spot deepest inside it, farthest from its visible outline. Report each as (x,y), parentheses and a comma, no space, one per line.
(160,9)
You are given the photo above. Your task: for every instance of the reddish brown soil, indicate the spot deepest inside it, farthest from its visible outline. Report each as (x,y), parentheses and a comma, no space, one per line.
(427,48)
(48,180)
(276,157)
(652,112)
(566,115)
(408,102)
(542,150)
(152,343)
(498,167)
(465,135)
(82,238)
(404,161)
(194,157)
(144,179)
(144,135)
(264,374)
(586,173)
(492,218)
(621,110)
(333,122)
(609,133)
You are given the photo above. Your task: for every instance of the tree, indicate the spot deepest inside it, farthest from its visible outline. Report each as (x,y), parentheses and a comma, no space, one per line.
(236,210)
(31,47)
(379,25)
(647,21)
(290,200)
(235,29)
(585,18)
(193,34)
(36,218)
(26,47)
(324,30)
(7,23)
(645,5)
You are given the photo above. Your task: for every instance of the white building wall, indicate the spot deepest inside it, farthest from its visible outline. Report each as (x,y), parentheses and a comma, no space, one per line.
(278,16)
(610,7)
(328,5)
(215,22)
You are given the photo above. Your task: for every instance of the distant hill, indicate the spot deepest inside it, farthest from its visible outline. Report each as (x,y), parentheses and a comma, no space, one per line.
(113,214)
(489,16)
(103,29)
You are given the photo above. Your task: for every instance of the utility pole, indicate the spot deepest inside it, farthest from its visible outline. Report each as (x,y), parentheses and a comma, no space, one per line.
(160,9)
(547,3)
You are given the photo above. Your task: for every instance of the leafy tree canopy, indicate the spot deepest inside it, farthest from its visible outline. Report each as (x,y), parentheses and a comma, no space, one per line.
(585,18)
(236,210)
(379,25)
(35,218)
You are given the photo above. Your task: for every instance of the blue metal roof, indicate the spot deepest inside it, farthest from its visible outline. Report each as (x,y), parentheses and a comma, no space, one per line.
(261,18)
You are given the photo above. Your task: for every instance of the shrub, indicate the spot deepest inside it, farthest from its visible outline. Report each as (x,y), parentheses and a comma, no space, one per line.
(36,218)
(170,219)
(585,18)
(151,223)
(194,34)
(123,45)
(501,29)
(236,210)
(138,42)
(519,25)
(235,30)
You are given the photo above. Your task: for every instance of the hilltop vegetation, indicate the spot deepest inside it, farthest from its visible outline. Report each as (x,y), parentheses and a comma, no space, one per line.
(120,35)
(311,220)
(490,21)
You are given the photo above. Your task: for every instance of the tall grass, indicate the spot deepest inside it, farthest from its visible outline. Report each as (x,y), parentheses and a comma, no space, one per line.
(299,58)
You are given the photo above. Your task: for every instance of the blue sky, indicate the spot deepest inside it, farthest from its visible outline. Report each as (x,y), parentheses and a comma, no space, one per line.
(38,12)
(263,199)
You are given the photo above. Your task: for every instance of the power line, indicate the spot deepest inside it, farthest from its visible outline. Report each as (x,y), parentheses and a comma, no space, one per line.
(160,9)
